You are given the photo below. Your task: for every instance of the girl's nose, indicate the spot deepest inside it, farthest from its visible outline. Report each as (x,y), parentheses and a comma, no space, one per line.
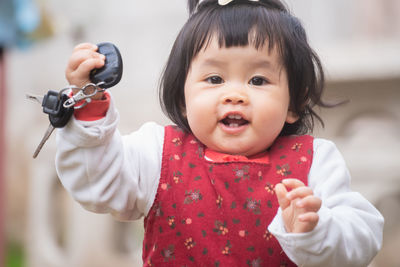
(236,97)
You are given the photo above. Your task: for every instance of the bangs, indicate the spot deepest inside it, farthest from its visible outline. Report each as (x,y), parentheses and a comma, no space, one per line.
(238,25)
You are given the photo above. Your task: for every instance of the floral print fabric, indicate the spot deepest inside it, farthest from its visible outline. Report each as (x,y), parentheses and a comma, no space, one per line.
(217,213)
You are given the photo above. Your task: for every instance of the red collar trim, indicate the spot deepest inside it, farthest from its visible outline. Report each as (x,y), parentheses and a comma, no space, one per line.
(215,156)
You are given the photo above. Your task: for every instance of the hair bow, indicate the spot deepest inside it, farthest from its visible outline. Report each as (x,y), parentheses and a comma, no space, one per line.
(225,2)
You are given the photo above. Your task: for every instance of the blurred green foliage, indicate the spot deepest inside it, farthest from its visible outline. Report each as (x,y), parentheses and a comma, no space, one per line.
(15,255)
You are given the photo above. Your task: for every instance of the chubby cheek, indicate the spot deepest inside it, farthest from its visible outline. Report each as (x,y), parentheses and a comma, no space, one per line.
(199,107)
(193,119)
(202,123)
(198,119)
(198,127)
(270,122)
(194,114)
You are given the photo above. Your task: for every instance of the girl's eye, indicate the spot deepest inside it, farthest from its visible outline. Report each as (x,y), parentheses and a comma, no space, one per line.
(258,81)
(214,80)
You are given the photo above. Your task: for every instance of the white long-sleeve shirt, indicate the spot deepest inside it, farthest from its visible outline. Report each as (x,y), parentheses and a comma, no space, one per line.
(109,173)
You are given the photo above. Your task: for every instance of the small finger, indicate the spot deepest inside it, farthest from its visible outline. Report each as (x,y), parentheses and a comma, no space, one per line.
(80,56)
(280,191)
(292,183)
(310,203)
(80,76)
(86,46)
(88,65)
(300,192)
(310,217)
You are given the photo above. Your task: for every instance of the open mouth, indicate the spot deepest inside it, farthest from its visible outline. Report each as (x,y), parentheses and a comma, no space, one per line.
(234,120)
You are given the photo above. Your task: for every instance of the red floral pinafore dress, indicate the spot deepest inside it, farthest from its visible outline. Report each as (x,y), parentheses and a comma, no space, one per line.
(209,213)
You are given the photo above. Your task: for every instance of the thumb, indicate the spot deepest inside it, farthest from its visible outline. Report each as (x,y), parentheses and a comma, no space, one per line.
(281,193)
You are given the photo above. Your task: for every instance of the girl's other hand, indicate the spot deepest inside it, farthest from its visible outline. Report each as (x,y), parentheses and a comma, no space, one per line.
(83,60)
(299,206)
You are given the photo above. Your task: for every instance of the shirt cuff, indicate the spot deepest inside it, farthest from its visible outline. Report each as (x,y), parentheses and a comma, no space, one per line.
(95,110)
(299,246)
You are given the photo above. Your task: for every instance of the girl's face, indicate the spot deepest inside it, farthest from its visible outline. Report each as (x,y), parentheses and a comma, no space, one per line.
(237,98)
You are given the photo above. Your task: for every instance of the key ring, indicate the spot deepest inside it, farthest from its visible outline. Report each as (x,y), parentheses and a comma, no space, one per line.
(71,87)
(85,93)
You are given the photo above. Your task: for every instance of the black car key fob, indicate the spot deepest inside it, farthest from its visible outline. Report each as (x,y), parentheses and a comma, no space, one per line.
(110,74)
(53,106)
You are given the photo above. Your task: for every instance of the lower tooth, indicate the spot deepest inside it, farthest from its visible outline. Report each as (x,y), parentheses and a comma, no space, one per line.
(234,125)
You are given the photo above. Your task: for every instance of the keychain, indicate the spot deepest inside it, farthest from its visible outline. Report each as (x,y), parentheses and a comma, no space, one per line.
(60,107)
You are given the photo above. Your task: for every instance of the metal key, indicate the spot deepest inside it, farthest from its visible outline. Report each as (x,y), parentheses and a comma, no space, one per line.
(59,116)
(49,130)
(46,136)
(36,98)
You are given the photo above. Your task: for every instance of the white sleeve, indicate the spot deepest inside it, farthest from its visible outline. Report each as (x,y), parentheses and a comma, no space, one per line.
(349,230)
(108,173)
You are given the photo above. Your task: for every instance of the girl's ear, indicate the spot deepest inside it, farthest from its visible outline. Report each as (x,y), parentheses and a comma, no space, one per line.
(291,117)
(183,111)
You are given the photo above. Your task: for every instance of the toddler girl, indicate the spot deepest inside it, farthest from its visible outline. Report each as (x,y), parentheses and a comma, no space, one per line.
(236,182)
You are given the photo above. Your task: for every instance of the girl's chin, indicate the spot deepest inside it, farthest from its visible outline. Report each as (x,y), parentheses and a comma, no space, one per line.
(238,147)
(231,149)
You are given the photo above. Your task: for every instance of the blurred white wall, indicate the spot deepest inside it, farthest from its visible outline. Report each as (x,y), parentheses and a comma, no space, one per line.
(358,41)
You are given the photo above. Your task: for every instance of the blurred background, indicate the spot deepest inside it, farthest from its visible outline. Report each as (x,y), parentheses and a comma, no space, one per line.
(357,40)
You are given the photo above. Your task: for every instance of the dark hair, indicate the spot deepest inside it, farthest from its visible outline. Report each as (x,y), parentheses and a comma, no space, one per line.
(269,21)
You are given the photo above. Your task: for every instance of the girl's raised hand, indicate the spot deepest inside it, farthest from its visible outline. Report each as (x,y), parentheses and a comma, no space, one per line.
(83,60)
(299,206)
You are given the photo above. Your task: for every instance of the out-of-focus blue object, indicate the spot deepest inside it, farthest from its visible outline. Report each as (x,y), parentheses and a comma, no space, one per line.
(18,18)
(27,15)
